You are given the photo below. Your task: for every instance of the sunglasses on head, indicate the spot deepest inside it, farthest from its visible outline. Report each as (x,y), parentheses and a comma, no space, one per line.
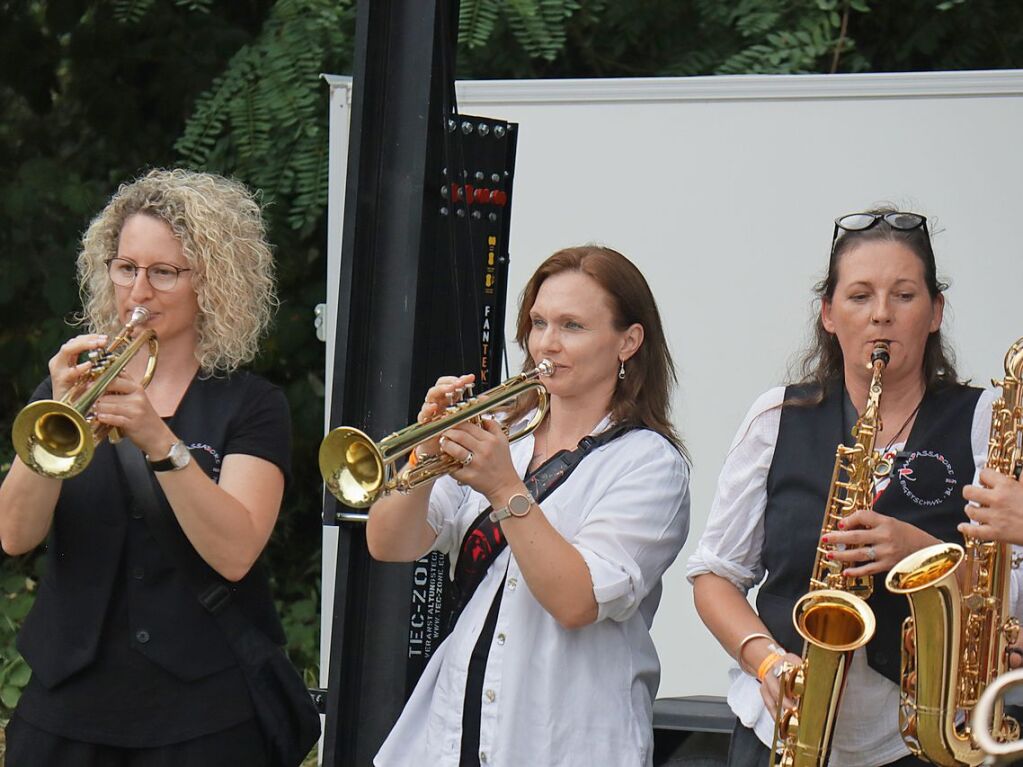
(859,222)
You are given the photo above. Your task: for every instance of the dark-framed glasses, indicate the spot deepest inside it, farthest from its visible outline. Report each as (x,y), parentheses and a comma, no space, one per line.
(161,276)
(858,222)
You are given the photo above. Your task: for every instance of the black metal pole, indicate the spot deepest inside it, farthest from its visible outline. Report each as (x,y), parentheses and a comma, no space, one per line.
(397,121)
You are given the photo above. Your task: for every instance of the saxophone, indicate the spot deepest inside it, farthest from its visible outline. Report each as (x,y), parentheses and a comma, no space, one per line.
(833,617)
(955,641)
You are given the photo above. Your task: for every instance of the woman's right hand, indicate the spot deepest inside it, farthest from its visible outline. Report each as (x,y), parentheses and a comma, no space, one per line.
(65,370)
(770,687)
(446,391)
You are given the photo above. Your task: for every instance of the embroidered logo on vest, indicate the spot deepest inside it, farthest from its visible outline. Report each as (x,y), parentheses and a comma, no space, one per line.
(926,470)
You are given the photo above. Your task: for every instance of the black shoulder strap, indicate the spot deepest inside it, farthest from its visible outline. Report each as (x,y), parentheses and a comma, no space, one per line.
(213,592)
(483,541)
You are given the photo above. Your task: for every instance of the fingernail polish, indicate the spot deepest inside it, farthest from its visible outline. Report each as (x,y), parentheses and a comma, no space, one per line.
(824,539)
(841,525)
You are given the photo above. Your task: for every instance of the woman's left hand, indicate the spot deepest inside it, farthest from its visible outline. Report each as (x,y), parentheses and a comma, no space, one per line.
(486,458)
(126,407)
(874,543)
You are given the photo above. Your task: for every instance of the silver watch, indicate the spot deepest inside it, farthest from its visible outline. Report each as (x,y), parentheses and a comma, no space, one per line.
(178,458)
(518,506)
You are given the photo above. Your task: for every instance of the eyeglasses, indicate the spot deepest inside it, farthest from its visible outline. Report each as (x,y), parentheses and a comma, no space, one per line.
(859,222)
(161,277)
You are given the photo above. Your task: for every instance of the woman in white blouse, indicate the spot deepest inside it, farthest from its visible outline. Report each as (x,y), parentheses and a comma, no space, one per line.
(766,518)
(551,661)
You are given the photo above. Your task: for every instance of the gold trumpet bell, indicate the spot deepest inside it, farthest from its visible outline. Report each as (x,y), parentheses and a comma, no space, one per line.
(53,439)
(352,467)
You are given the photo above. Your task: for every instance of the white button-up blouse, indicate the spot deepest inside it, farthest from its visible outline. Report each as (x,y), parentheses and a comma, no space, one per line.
(867,732)
(554,696)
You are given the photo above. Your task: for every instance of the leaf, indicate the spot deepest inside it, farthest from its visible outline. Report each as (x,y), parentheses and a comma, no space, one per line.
(9,696)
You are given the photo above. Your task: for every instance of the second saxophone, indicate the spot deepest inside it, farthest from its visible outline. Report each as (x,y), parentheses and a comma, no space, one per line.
(955,642)
(833,617)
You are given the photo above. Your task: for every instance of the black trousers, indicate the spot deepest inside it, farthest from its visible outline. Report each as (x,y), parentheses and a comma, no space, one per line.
(28,746)
(746,750)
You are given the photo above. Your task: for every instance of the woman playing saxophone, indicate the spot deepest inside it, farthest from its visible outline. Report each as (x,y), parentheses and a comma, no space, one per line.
(765,522)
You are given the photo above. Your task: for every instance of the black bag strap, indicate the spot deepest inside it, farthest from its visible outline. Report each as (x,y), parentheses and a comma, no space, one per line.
(212,591)
(483,541)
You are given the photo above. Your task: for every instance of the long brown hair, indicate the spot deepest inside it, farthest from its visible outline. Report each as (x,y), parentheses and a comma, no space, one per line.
(643,397)
(822,363)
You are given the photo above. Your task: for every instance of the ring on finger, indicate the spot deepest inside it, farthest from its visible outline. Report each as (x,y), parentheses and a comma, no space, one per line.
(468,458)
(871,554)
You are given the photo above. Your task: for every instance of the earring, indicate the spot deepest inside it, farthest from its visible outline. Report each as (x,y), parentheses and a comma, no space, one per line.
(621,370)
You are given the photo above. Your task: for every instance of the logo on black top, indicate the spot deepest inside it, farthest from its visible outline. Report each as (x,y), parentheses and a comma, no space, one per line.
(926,477)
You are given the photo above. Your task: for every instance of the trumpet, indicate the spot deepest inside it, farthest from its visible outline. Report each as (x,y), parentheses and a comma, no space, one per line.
(358,471)
(57,438)
(996,750)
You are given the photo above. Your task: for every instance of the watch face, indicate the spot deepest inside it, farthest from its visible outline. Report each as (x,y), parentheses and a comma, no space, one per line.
(518,505)
(179,454)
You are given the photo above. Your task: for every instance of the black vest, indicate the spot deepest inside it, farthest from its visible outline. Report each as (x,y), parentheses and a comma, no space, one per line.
(99,542)
(925,491)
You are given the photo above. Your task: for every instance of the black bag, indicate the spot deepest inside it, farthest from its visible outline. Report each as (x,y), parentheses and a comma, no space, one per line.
(285,711)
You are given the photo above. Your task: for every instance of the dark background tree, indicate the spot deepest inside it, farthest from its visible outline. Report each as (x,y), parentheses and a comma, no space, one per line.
(94,91)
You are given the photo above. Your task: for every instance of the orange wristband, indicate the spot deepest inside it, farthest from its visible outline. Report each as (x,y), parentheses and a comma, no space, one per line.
(766,664)
(413,457)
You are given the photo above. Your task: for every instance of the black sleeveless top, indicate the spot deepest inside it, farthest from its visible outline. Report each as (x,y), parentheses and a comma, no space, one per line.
(121,651)
(925,490)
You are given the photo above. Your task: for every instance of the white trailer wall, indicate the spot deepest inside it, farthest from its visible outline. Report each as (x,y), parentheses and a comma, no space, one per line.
(723,191)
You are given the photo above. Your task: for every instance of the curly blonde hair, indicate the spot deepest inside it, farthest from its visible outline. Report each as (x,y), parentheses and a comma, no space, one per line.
(220,226)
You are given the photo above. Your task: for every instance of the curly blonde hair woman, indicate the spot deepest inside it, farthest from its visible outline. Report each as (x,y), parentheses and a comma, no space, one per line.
(127,666)
(220,226)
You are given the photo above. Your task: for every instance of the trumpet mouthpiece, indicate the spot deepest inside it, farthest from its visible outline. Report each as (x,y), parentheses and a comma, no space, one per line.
(545,368)
(139,315)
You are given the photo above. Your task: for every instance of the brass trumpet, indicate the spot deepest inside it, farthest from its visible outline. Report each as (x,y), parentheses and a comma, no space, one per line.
(57,438)
(358,471)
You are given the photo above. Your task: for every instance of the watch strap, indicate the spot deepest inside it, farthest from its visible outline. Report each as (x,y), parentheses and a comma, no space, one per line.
(169,463)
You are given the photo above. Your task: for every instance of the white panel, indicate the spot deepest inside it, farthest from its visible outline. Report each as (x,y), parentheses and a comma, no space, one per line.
(723,191)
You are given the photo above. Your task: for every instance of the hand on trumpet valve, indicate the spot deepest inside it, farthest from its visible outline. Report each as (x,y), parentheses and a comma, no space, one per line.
(65,369)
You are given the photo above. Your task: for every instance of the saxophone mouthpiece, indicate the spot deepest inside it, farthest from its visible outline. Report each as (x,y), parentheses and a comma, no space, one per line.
(881,353)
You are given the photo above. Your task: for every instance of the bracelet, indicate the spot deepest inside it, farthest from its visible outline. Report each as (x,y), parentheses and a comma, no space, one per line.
(746,640)
(766,664)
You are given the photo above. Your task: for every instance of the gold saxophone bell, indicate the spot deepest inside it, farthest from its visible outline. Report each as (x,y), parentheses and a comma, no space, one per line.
(358,471)
(57,438)
(982,727)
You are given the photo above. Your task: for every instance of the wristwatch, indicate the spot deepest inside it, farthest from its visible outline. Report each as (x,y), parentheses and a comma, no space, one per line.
(178,458)
(518,506)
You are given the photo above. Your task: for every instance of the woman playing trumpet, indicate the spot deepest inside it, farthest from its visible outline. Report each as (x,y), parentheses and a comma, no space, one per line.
(765,522)
(128,668)
(550,660)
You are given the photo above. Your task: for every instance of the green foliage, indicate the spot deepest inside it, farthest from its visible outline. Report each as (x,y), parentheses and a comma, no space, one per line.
(17,592)
(264,118)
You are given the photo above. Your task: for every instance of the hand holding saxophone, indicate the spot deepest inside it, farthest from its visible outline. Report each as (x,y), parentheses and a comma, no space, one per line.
(771,684)
(874,542)
(996,505)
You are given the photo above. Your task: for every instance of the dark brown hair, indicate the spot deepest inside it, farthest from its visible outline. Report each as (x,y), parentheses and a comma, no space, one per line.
(643,396)
(822,362)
